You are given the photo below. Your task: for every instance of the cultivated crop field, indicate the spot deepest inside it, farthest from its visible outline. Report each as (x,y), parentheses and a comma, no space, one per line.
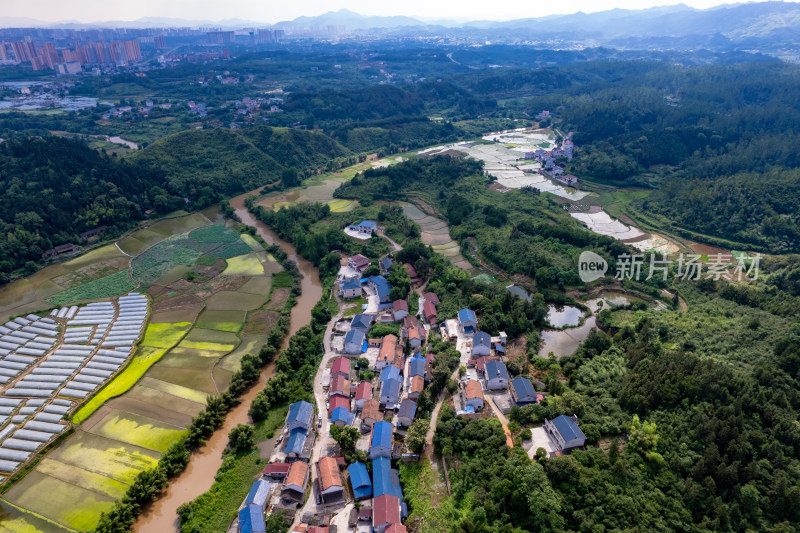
(205,282)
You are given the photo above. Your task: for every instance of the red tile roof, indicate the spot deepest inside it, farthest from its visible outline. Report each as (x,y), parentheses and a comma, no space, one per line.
(387,348)
(400,305)
(372,409)
(473,390)
(337,400)
(297,474)
(396,528)
(276,468)
(341,365)
(385,510)
(431,297)
(341,384)
(429,310)
(328,472)
(417,384)
(364,391)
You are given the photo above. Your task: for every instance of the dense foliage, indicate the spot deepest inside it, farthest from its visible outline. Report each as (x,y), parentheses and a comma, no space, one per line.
(234,161)
(54,189)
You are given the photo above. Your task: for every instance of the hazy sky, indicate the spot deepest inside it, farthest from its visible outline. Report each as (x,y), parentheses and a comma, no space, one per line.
(274,11)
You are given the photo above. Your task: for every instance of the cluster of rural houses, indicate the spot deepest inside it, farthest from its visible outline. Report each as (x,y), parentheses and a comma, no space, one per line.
(373,384)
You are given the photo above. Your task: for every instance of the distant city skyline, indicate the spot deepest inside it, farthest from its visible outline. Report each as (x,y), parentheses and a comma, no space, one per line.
(88,11)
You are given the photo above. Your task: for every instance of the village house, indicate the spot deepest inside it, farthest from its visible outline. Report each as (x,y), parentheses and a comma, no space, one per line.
(380,443)
(370,413)
(417,384)
(362,322)
(412,273)
(276,471)
(472,395)
(400,309)
(429,313)
(385,512)
(522,391)
(340,384)
(496,375)
(390,392)
(413,332)
(295,444)
(358,262)
(565,432)
(355,341)
(382,288)
(341,416)
(329,480)
(337,399)
(300,415)
(467,321)
(386,354)
(406,413)
(365,227)
(360,482)
(386,264)
(481,344)
(363,393)
(294,484)
(340,367)
(350,288)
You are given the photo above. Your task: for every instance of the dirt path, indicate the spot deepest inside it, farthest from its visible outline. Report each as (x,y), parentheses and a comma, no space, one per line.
(503,420)
(395,247)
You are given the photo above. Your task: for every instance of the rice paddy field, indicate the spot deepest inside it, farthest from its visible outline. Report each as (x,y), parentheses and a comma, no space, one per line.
(191,347)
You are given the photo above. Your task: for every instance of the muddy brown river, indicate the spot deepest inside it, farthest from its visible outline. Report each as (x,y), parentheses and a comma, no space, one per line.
(198,476)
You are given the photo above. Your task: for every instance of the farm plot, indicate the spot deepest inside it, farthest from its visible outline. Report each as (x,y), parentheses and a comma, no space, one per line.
(435,232)
(125,425)
(224,320)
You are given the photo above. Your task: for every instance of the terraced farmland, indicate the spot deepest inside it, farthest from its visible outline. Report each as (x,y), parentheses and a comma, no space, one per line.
(435,232)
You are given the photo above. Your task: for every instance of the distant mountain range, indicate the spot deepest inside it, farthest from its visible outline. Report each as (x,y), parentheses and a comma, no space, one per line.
(681,26)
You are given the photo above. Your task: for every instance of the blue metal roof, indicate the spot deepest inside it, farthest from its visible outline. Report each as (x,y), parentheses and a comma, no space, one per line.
(391,387)
(499,347)
(359,479)
(342,414)
(496,369)
(355,336)
(351,285)
(258,493)
(568,428)
(481,338)
(300,412)
(523,388)
(382,286)
(297,437)
(390,372)
(416,367)
(387,263)
(361,321)
(367,223)
(381,435)
(381,476)
(467,315)
(251,520)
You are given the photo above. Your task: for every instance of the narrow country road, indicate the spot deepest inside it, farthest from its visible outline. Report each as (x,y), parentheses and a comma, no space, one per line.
(320,397)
